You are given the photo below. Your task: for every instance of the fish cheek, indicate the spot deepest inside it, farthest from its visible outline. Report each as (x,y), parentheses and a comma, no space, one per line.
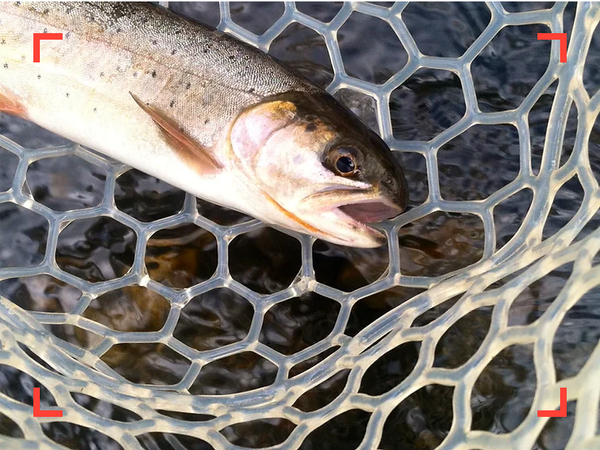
(255,125)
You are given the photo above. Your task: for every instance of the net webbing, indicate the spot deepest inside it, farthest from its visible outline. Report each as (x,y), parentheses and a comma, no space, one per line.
(494,282)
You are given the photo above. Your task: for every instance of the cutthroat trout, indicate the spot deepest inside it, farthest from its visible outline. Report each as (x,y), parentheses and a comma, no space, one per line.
(203,112)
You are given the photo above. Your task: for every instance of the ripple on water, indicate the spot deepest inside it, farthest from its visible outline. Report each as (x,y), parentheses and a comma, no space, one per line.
(267,261)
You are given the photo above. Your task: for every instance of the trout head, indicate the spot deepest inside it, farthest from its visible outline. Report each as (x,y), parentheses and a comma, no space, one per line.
(319,169)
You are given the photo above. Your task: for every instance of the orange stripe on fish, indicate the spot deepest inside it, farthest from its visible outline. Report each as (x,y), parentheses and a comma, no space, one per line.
(295,218)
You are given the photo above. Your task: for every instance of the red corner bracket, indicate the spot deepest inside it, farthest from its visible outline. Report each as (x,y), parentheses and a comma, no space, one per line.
(562,412)
(562,37)
(37,412)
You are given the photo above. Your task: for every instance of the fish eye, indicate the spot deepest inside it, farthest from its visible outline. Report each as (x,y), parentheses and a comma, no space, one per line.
(345,165)
(344,161)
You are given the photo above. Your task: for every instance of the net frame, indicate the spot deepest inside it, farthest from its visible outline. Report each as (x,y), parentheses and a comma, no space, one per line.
(524,259)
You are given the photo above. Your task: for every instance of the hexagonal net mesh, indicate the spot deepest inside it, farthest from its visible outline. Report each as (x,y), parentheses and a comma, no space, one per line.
(424,371)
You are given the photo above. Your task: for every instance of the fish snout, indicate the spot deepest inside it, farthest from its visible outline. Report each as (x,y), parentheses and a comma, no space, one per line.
(395,190)
(391,201)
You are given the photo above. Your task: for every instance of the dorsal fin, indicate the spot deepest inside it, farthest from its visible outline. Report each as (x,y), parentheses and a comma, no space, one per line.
(187,147)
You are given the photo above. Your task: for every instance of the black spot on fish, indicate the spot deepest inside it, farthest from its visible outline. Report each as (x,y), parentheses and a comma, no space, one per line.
(177,31)
(118,68)
(205,50)
(118,30)
(173,52)
(310,127)
(189,85)
(172,103)
(206,121)
(154,42)
(69,9)
(39,77)
(67,94)
(101,74)
(45,30)
(135,74)
(46,11)
(3,42)
(250,91)
(18,3)
(5,66)
(95,109)
(68,35)
(232,57)
(154,74)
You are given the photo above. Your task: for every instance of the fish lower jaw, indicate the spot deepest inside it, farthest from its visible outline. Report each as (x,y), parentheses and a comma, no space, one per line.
(340,228)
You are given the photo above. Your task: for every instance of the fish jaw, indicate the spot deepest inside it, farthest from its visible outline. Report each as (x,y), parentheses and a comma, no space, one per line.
(343,215)
(348,231)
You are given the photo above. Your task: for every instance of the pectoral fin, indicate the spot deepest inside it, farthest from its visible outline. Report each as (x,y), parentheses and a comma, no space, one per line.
(187,147)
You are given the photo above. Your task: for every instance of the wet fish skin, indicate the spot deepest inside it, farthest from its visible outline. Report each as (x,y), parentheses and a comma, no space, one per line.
(200,110)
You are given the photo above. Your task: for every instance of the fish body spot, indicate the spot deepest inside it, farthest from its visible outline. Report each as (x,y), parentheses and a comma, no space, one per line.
(172,103)
(154,74)
(5,66)
(189,85)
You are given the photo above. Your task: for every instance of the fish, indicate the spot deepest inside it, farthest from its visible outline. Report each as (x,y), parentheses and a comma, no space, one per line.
(202,111)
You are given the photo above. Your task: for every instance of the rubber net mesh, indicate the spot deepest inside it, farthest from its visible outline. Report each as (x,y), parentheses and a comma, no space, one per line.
(188,414)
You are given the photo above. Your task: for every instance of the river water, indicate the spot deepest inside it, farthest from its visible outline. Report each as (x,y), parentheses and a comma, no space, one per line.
(472,166)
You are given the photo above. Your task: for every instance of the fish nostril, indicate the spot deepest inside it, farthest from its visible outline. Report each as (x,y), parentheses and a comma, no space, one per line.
(389,181)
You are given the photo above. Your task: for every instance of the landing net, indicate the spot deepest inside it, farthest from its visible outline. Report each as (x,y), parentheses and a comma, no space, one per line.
(186,414)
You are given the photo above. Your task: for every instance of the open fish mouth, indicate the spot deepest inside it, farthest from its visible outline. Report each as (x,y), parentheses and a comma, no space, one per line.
(371,211)
(362,205)
(356,209)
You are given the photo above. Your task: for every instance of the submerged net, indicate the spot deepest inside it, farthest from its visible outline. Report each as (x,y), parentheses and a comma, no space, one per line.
(409,360)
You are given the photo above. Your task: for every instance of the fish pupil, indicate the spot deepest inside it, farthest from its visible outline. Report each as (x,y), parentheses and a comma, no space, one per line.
(345,164)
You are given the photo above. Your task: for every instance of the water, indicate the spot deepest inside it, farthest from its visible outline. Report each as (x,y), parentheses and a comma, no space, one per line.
(472,167)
